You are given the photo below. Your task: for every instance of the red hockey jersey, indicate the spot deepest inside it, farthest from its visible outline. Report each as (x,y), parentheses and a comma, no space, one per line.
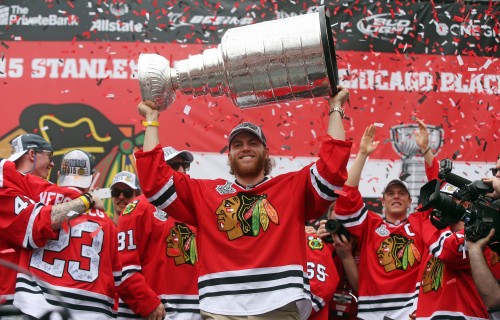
(447,290)
(493,260)
(158,256)
(251,240)
(22,222)
(322,274)
(389,259)
(80,264)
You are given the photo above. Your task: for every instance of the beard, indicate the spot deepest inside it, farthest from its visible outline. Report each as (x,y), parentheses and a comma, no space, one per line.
(248,170)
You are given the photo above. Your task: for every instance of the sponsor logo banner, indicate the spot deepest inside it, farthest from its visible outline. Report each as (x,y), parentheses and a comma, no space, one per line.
(404,27)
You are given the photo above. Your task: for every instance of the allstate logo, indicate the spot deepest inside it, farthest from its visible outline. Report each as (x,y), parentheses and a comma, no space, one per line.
(4,15)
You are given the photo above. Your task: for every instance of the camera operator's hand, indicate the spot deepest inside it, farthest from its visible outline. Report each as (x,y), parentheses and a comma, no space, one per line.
(367,145)
(480,244)
(321,232)
(343,247)
(310,230)
(495,183)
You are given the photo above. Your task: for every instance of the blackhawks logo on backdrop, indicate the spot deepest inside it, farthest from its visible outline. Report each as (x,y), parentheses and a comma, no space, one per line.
(78,126)
(181,244)
(245,215)
(397,252)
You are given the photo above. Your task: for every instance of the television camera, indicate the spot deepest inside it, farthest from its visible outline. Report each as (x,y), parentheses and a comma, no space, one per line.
(468,203)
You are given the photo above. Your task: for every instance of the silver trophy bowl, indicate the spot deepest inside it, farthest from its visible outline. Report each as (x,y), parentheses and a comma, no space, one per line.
(403,141)
(254,65)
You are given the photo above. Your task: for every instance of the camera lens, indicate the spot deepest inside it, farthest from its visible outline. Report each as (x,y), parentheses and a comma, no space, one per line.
(332,225)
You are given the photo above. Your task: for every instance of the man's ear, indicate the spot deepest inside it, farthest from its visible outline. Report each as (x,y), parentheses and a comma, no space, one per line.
(31,154)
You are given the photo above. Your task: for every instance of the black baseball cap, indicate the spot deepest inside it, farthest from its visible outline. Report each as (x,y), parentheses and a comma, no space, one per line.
(248,127)
(26,142)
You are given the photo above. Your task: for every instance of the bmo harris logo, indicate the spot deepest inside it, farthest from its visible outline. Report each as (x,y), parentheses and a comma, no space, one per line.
(384,26)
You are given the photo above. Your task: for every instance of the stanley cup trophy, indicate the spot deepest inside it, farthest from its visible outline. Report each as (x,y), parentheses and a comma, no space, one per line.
(403,141)
(254,65)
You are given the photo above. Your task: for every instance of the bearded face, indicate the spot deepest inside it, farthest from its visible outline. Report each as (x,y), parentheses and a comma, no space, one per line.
(247,156)
(248,167)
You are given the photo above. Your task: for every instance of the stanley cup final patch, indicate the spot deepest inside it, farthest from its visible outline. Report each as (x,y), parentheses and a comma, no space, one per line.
(382,231)
(225,189)
(160,215)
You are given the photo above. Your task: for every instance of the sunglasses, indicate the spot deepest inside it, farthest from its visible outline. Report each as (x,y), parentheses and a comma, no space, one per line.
(177,165)
(127,193)
(49,153)
(494,171)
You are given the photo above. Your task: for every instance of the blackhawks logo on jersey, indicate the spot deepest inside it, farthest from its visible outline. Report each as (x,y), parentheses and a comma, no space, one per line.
(432,278)
(397,252)
(130,207)
(315,243)
(181,244)
(244,215)
(494,259)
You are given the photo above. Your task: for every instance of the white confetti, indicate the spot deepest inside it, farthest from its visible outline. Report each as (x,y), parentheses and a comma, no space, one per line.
(486,64)
(452,102)
(187,109)
(460,60)
(378,124)
(45,128)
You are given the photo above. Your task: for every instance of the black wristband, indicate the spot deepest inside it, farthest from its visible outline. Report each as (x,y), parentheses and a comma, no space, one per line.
(423,154)
(90,198)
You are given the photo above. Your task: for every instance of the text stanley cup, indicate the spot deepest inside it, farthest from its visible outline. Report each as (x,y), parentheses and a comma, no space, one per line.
(254,65)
